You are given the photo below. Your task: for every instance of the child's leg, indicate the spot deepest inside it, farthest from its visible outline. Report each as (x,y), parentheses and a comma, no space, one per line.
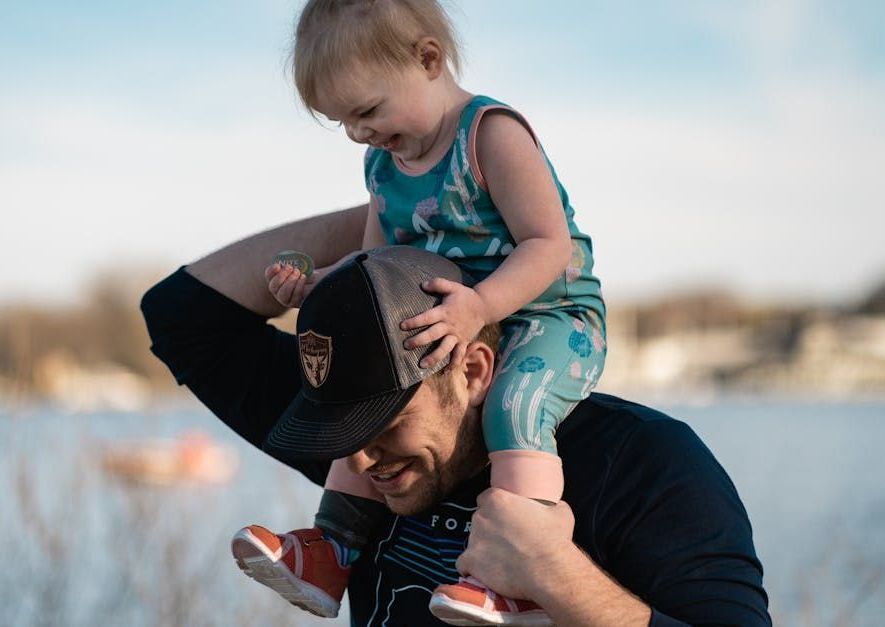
(548,362)
(310,568)
(350,511)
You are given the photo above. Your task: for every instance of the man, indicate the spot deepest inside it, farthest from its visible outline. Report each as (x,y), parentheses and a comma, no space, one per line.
(650,530)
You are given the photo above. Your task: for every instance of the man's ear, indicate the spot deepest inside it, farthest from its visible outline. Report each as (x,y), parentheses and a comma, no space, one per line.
(479,366)
(430,55)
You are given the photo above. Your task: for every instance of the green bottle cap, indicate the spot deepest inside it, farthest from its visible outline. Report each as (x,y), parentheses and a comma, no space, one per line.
(296,259)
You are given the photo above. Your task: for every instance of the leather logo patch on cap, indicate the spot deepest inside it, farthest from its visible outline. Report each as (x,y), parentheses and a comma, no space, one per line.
(316,356)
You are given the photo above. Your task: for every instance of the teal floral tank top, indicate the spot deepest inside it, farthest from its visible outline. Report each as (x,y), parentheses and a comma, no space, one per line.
(449,211)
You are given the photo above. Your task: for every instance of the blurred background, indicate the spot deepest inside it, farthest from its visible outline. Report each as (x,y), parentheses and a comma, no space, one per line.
(727,159)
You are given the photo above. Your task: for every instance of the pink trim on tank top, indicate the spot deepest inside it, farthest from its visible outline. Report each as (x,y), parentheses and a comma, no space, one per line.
(471,138)
(410,171)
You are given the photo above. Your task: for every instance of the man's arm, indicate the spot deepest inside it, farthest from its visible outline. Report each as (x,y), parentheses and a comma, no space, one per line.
(509,532)
(237,270)
(670,526)
(669,537)
(208,324)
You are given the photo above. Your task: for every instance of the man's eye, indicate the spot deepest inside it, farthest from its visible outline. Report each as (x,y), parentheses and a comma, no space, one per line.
(368,112)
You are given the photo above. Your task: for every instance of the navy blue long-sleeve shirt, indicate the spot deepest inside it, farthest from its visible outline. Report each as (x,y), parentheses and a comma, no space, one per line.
(652,506)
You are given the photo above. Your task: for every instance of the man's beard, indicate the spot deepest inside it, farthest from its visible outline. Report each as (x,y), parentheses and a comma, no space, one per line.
(469,457)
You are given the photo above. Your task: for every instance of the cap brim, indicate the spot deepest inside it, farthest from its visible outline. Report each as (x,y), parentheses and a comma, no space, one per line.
(309,430)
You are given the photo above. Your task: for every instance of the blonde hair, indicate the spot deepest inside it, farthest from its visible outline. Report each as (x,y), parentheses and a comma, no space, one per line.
(333,34)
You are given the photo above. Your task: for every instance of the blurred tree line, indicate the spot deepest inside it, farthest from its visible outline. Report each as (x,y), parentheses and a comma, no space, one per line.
(104,329)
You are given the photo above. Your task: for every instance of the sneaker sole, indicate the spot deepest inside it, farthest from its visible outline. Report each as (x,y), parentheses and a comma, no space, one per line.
(259,563)
(455,612)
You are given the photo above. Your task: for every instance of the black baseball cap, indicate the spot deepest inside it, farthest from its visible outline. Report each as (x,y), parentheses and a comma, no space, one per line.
(356,376)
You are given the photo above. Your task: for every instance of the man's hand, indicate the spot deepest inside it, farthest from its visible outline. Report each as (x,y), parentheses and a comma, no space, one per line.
(523,549)
(456,321)
(514,541)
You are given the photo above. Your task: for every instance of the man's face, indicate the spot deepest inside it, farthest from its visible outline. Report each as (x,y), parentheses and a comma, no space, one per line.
(424,453)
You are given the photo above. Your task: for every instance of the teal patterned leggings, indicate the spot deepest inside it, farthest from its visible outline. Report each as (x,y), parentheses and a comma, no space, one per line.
(548,362)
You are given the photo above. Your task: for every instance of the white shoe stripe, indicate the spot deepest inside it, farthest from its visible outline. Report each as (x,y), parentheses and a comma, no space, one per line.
(299,555)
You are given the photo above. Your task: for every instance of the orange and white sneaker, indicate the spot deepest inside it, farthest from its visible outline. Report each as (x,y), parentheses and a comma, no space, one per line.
(469,602)
(300,566)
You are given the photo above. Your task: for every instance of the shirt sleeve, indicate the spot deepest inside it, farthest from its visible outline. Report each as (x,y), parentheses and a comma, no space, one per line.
(241,368)
(662,620)
(673,530)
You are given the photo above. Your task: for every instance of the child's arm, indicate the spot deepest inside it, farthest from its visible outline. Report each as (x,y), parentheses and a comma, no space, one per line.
(373,237)
(523,190)
(290,288)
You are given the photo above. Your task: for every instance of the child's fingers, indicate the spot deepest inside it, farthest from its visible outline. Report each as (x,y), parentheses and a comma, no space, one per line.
(440,285)
(271,270)
(439,353)
(458,353)
(286,291)
(281,278)
(276,278)
(428,336)
(424,319)
(300,292)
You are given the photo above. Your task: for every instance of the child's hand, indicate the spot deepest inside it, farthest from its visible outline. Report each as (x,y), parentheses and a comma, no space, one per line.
(288,285)
(456,320)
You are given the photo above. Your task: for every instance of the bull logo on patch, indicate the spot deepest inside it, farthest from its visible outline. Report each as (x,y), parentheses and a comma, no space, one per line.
(316,355)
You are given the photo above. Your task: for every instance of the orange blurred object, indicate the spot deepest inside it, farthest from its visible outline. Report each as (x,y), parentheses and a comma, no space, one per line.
(192,457)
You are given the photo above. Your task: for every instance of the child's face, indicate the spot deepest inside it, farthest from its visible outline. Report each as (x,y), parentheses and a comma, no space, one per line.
(402,114)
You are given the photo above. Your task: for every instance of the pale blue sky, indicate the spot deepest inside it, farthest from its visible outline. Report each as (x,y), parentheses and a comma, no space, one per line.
(702,143)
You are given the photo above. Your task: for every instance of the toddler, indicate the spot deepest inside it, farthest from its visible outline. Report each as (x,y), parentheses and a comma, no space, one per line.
(464,176)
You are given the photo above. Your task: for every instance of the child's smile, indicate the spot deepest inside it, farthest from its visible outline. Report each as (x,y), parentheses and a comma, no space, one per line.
(406,114)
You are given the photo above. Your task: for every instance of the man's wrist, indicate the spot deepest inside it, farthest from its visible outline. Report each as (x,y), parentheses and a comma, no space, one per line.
(564,566)
(576,591)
